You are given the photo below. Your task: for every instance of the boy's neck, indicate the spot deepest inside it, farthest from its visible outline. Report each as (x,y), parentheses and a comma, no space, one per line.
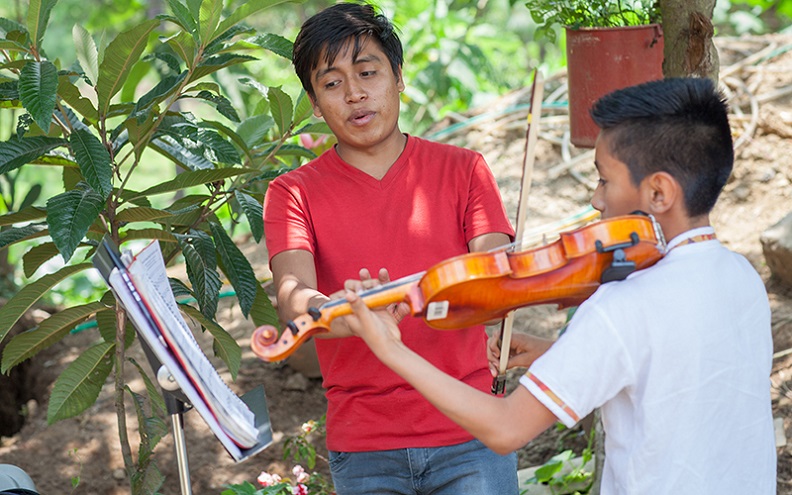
(672,227)
(374,160)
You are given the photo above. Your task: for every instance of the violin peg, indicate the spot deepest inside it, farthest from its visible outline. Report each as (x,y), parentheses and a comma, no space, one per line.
(265,335)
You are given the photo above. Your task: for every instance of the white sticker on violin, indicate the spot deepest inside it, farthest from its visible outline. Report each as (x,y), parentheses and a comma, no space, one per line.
(437,310)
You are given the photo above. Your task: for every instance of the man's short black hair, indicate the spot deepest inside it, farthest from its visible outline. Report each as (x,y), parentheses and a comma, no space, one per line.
(676,125)
(329,31)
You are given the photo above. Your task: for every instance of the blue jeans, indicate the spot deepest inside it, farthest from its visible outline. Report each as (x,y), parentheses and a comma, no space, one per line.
(469,468)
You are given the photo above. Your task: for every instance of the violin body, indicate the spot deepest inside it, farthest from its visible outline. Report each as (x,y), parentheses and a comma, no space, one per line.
(475,288)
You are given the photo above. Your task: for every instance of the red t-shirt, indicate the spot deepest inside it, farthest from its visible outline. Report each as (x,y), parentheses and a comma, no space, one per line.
(433,200)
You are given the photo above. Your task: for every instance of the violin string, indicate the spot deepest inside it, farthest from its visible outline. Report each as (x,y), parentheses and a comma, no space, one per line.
(539,235)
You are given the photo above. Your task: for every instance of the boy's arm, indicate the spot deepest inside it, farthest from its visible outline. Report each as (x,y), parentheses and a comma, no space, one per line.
(294,276)
(502,424)
(486,242)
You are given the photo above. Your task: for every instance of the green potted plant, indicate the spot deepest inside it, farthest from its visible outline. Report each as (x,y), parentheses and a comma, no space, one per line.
(610,44)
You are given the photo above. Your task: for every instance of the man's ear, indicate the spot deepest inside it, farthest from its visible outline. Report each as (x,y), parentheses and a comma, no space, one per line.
(661,192)
(400,80)
(316,110)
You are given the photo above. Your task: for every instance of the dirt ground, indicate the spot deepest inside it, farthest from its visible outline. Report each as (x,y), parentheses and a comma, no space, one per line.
(757,75)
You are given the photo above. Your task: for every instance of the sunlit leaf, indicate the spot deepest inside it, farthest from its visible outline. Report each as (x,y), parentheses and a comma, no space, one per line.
(222,104)
(263,312)
(18,234)
(199,253)
(119,57)
(49,332)
(281,107)
(70,215)
(141,214)
(27,214)
(303,110)
(37,256)
(246,9)
(77,388)
(195,178)
(236,267)
(254,213)
(275,43)
(38,86)
(94,161)
(87,53)
(217,62)
(253,129)
(170,148)
(71,95)
(186,20)
(37,19)
(159,234)
(32,292)
(209,18)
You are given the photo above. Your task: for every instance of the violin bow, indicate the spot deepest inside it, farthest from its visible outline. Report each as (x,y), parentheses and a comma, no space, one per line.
(531,136)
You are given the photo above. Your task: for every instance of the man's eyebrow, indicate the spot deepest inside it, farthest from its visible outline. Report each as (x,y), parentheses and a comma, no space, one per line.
(371,57)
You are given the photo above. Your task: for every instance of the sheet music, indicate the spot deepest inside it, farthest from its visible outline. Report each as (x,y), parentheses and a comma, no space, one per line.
(147,271)
(123,288)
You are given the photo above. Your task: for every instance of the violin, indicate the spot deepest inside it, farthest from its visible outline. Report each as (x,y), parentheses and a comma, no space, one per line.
(475,288)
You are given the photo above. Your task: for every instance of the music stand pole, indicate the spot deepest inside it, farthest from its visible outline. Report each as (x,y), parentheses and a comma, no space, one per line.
(176,408)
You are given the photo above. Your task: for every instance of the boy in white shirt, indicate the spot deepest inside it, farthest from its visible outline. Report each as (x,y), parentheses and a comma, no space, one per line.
(676,356)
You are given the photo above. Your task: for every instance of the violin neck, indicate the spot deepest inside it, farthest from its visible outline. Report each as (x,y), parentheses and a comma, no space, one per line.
(377,297)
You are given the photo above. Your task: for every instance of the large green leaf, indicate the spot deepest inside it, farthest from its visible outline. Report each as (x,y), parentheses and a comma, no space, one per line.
(174,151)
(275,43)
(38,87)
(25,215)
(70,215)
(141,214)
(77,388)
(119,57)
(17,152)
(263,312)
(37,256)
(213,64)
(209,18)
(94,161)
(49,331)
(160,235)
(37,19)
(245,10)
(155,396)
(195,178)
(199,253)
(236,267)
(303,109)
(282,109)
(253,129)
(18,234)
(183,16)
(254,213)
(225,347)
(87,53)
(32,292)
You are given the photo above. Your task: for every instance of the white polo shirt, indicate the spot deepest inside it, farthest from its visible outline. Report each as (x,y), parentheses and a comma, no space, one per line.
(678,359)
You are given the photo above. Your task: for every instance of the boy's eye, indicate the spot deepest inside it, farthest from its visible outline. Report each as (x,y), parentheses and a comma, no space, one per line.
(601,181)
(368,73)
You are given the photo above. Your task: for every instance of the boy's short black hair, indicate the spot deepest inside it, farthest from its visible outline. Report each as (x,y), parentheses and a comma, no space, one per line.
(330,30)
(676,125)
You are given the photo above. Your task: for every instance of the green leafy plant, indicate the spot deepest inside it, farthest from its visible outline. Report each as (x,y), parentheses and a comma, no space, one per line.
(150,95)
(565,474)
(551,14)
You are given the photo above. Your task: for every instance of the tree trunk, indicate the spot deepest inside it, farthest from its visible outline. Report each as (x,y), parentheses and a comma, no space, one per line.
(689,50)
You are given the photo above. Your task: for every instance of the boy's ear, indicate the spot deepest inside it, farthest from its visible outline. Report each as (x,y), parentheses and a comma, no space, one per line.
(400,80)
(662,192)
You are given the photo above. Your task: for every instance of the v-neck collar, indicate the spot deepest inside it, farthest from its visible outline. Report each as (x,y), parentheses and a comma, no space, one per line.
(389,177)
